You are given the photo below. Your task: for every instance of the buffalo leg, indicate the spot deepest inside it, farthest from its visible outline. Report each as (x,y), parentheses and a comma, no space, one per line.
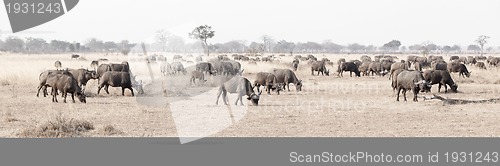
(123,91)
(64,94)
(415,96)
(106,89)
(439,88)
(404,94)
(131,91)
(99,89)
(73,97)
(399,91)
(218,95)
(54,96)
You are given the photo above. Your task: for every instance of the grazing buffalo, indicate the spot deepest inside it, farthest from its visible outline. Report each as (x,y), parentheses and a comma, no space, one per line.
(236,66)
(82,76)
(197,75)
(75,56)
(58,65)
(454,57)
(459,68)
(364,68)
(43,80)
(481,65)
(241,86)
(206,67)
(411,80)
(320,67)
(268,80)
(115,79)
(166,69)
(177,67)
(442,78)
(287,76)
(66,84)
(227,68)
(348,66)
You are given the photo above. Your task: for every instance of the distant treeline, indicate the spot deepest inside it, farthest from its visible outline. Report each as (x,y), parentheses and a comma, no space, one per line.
(31,45)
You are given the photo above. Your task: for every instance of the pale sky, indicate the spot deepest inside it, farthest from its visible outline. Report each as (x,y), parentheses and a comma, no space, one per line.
(443,22)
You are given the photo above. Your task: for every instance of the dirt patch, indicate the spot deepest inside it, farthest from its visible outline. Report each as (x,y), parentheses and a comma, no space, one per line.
(110,130)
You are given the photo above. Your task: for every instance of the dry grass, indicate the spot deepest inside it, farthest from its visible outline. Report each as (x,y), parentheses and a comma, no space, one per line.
(109,130)
(327,106)
(58,128)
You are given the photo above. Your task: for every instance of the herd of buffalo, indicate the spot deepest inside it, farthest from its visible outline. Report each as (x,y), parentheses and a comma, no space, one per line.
(73,81)
(405,75)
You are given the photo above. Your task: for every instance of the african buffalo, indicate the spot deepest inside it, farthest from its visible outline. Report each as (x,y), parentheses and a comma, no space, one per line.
(348,66)
(287,76)
(459,68)
(241,86)
(115,79)
(66,84)
(411,80)
(442,78)
(320,67)
(268,80)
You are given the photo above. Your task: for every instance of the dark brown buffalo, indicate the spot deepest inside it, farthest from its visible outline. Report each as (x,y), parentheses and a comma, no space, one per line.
(411,80)
(66,84)
(206,67)
(481,65)
(268,80)
(349,66)
(115,79)
(287,76)
(82,76)
(440,77)
(43,80)
(459,68)
(320,67)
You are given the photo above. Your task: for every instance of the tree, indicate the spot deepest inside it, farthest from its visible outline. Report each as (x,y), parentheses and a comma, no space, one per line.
(203,32)
(36,45)
(285,47)
(481,40)
(447,49)
(110,46)
(257,47)
(125,47)
(71,47)
(456,48)
(95,45)
(13,44)
(331,47)
(162,37)
(59,46)
(268,43)
(392,45)
(355,47)
(473,48)
(77,47)
(175,43)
